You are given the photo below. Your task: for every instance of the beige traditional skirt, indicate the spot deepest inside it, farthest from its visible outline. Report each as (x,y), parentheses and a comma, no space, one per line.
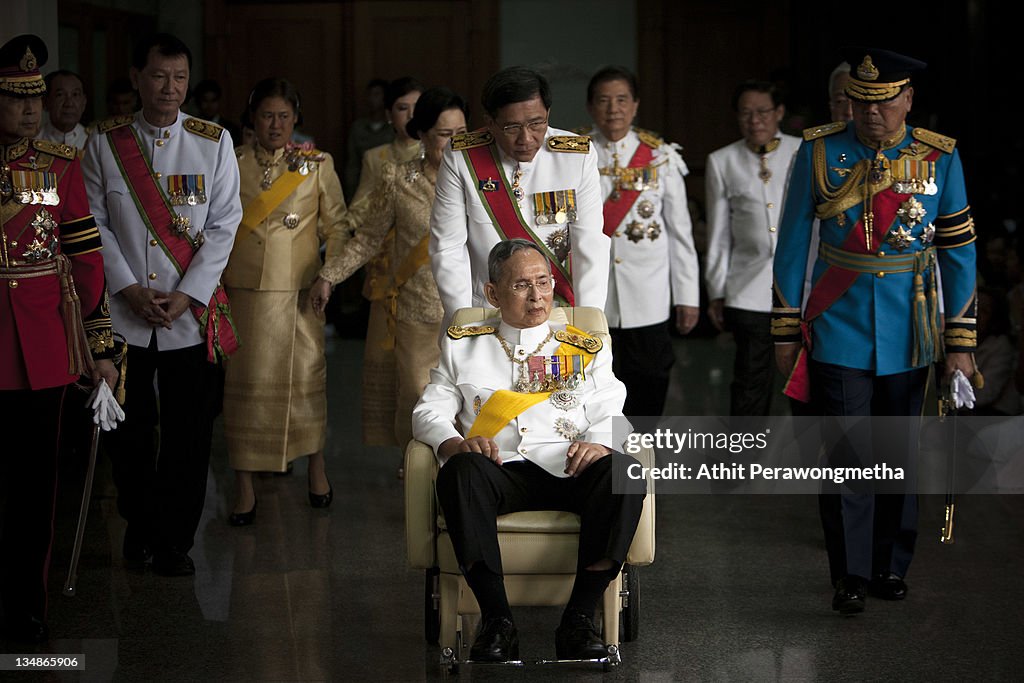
(416,353)
(275,398)
(378,381)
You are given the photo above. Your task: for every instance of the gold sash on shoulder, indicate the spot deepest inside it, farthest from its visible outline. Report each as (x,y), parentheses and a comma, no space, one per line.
(265,202)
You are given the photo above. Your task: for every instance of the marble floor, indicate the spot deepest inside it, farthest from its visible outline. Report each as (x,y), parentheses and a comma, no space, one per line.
(739,590)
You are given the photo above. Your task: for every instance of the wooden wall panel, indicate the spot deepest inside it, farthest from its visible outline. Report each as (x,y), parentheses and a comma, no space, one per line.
(330,50)
(691,57)
(302,43)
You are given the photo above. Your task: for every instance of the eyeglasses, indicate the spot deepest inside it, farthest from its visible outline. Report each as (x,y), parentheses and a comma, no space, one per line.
(513,130)
(755,113)
(543,286)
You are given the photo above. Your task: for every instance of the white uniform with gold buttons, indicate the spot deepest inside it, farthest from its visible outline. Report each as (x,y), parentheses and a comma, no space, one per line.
(654,262)
(472,368)
(743,213)
(76,137)
(131,255)
(462,232)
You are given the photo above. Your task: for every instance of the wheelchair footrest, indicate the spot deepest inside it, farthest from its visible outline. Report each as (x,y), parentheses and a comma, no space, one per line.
(610,660)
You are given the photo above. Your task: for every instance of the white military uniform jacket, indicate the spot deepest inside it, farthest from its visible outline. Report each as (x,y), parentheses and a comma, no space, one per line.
(131,255)
(76,137)
(462,233)
(472,368)
(654,262)
(743,214)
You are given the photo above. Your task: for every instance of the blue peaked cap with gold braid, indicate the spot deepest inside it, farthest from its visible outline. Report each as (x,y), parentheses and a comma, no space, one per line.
(878,75)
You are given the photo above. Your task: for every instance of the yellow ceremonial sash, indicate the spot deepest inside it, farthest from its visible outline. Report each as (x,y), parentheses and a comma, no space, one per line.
(504,406)
(501,408)
(414,260)
(265,202)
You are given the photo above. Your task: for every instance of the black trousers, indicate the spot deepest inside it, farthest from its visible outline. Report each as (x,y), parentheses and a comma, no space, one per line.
(868,534)
(753,370)
(642,359)
(161,453)
(28,486)
(473,491)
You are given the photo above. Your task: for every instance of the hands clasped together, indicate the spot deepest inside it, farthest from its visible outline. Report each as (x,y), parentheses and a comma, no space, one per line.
(158,309)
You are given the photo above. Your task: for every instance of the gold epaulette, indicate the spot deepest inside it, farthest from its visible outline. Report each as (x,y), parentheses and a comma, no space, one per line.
(107,125)
(458,331)
(580,340)
(816,132)
(943,142)
(57,149)
(569,143)
(476,138)
(649,138)
(210,131)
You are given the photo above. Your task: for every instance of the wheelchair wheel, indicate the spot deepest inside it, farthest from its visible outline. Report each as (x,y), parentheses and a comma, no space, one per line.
(631,611)
(431,606)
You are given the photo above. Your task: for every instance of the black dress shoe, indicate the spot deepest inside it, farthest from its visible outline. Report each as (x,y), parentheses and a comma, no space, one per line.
(26,629)
(850,595)
(136,550)
(498,641)
(577,638)
(244,518)
(319,500)
(888,587)
(173,563)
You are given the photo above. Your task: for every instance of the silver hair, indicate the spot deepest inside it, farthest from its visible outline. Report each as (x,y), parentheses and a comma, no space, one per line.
(843,68)
(503,251)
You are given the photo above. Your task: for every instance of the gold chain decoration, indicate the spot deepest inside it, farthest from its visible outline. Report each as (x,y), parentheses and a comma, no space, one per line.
(523,383)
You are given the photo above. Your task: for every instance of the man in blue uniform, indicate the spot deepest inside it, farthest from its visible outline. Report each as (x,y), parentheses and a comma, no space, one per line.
(892,205)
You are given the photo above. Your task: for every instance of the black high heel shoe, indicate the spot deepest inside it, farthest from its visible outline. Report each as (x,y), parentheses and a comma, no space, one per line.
(323,500)
(244,518)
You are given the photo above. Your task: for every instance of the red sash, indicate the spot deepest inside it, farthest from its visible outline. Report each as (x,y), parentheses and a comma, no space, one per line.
(834,281)
(504,211)
(616,207)
(215,318)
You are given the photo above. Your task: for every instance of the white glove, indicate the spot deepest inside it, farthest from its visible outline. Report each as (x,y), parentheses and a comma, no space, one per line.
(961,390)
(105,411)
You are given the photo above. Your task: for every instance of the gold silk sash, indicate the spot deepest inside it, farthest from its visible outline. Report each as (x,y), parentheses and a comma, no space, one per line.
(501,408)
(413,261)
(265,202)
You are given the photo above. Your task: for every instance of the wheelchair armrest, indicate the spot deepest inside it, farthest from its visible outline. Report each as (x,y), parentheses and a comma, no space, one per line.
(420,505)
(641,551)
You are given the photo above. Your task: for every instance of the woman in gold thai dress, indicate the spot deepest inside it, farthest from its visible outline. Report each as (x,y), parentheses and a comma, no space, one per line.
(401,202)
(378,407)
(275,401)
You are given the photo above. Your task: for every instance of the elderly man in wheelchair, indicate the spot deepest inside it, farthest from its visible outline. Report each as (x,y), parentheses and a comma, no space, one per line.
(519,414)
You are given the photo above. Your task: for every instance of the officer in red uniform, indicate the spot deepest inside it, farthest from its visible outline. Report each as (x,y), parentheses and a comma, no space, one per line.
(54,327)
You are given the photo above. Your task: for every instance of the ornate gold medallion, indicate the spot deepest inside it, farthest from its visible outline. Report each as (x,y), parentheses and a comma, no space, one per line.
(911,212)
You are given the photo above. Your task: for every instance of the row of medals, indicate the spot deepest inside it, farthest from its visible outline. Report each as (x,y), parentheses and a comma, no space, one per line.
(565,391)
(911,212)
(566,394)
(46,196)
(635,230)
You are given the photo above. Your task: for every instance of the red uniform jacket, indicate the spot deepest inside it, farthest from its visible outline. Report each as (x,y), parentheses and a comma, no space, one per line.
(44,212)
